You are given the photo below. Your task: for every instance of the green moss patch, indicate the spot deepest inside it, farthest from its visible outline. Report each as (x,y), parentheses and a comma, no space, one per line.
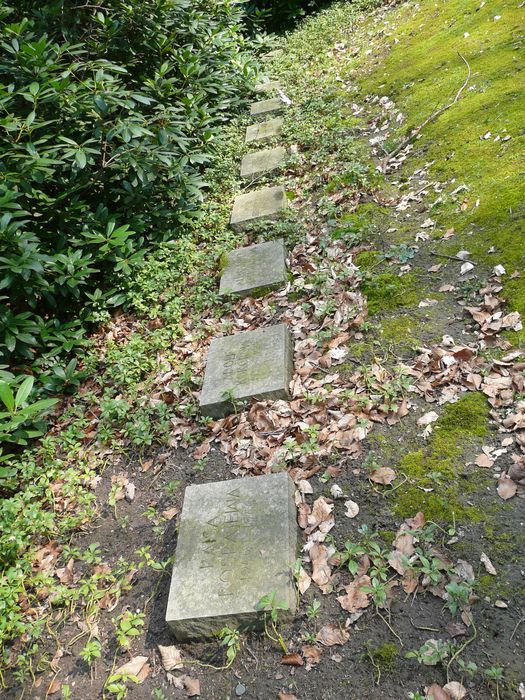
(435,482)
(479,141)
(387,291)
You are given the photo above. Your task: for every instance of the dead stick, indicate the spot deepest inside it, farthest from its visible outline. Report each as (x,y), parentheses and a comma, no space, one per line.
(433,116)
(450,257)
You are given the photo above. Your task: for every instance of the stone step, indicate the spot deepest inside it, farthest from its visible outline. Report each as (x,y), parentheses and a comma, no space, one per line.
(237,543)
(271,55)
(266,203)
(248,365)
(265,131)
(260,162)
(265,107)
(270,86)
(254,269)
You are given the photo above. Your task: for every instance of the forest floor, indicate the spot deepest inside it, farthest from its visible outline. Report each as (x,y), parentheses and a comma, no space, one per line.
(405,432)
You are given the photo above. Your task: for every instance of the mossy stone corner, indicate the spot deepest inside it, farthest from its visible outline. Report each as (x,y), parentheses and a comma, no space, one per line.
(237,543)
(271,86)
(261,162)
(266,203)
(265,107)
(249,365)
(265,131)
(248,271)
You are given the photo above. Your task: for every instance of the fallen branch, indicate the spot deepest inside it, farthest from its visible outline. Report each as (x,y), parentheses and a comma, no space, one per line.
(415,133)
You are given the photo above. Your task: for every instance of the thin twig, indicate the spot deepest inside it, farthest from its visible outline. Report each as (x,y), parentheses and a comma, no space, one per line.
(433,116)
(463,646)
(387,623)
(518,623)
(450,257)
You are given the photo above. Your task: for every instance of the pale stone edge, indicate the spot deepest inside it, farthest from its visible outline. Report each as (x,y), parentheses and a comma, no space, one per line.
(186,629)
(268,137)
(268,87)
(273,216)
(265,111)
(258,173)
(254,289)
(221,407)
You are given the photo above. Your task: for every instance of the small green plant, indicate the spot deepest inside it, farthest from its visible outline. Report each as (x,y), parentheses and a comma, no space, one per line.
(458,595)
(172,487)
(313,610)
(230,638)
(91,652)
(272,608)
(432,652)
(469,668)
(494,674)
(127,627)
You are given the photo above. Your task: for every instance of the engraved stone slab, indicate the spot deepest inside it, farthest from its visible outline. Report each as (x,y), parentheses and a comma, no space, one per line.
(264,107)
(262,161)
(255,268)
(266,203)
(272,86)
(265,131)
(237,543)
(251,364)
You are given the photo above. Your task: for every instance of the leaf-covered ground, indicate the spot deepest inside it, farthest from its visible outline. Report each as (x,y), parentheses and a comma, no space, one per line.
(404,435)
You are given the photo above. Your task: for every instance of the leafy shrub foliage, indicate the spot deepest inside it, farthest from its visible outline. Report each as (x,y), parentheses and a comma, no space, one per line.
(109,112)
(279,15)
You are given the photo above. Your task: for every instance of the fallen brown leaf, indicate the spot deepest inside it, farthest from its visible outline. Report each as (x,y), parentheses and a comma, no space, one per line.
(436,692)
(53,687)
(455,690)
(330,635)
(311,654)
(352,509)
(383,475)
(132,667)
(506,488)
(192,686)
(489,566)
(355,598)
(171,657)
(293,659)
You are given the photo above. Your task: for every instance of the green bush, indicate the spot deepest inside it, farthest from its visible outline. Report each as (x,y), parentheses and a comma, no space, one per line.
(109,114)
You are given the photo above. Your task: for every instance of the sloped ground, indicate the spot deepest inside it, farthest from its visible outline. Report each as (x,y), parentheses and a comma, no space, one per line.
(407,407)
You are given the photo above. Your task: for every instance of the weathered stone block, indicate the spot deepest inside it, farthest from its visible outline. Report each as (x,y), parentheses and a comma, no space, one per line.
(254,269)
(271,55)
(248,365)
(266,203)
(237,543)
(260,162)
(271,86)
(265,107)
(265,131)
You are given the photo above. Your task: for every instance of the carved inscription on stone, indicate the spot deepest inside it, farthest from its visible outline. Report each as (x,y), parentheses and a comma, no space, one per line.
(225,546)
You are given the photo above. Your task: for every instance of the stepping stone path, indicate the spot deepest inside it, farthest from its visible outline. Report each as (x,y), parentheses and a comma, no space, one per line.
(265,131)
(255,269)
(271,86)
(237,543)
(262,162)
(249,365)
(261,109)
(237,539)
(266,203)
